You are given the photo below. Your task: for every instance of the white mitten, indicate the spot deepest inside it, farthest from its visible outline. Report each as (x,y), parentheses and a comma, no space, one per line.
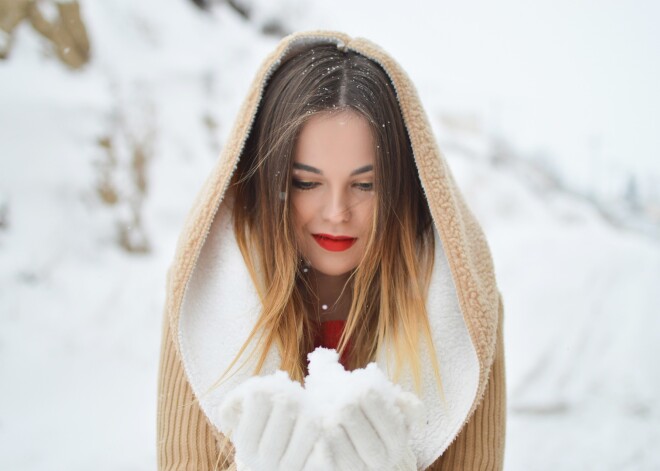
(341,421)
(263,418)
(367,418)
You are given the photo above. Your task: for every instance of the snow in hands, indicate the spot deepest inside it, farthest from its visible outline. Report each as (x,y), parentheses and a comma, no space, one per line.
(340,420)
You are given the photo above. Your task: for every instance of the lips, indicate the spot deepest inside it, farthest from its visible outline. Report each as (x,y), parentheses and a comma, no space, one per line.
(334,243)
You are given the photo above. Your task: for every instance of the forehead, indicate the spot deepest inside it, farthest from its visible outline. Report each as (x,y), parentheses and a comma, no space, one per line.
(332,141)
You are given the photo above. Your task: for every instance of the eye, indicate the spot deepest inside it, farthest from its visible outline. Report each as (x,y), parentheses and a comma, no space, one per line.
(303,185)
(365,186)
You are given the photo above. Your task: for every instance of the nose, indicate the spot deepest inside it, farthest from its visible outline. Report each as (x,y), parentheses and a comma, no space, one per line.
(337,207)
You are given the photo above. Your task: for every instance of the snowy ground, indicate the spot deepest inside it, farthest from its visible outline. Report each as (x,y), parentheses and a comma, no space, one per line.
(80,316)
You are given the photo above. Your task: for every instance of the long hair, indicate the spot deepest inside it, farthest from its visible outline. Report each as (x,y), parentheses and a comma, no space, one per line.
(390,284)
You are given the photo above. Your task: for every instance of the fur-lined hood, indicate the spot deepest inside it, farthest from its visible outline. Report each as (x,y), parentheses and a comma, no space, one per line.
(212,304)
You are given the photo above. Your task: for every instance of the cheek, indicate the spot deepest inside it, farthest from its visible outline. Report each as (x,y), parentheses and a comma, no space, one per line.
(305,205)
(366,214)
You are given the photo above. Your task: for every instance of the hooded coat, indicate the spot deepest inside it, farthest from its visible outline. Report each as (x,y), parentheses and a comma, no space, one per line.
(211,304)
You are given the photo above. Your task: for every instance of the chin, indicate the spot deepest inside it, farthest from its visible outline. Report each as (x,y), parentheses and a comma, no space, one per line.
(335,273)
(333,269)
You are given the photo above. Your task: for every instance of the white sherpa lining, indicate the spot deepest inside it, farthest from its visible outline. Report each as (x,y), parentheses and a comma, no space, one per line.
(221,305)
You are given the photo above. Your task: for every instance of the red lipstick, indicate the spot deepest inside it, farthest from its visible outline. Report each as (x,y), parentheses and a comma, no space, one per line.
(334,243)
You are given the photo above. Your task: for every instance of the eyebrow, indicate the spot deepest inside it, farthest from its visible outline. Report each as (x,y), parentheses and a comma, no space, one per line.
(309,168)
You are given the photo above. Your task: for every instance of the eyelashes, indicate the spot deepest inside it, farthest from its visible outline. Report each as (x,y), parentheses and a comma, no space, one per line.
(365,186)
(304,185)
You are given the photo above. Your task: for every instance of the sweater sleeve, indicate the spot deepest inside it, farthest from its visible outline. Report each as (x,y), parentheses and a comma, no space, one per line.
(186,440)
(480,444)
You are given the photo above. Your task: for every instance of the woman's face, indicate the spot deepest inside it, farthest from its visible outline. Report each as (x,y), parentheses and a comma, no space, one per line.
(333,198)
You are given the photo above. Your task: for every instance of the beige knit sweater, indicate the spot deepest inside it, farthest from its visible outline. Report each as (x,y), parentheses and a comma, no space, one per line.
(211,305)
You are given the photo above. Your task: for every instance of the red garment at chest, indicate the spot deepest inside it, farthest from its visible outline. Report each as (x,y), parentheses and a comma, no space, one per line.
(329,335)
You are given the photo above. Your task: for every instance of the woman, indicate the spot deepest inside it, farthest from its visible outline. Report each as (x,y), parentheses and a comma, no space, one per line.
(332,219)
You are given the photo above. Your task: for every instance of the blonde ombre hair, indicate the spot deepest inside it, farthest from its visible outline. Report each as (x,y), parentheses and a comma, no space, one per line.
(390,284)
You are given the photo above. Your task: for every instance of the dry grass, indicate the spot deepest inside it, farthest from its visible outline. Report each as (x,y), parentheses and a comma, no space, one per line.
(122,173)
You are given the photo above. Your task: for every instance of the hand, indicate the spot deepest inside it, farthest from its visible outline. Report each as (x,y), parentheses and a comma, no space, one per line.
(367,419)
(264,421)
(371,434)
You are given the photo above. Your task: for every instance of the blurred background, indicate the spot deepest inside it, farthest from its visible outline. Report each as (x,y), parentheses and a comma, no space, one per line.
(112,113)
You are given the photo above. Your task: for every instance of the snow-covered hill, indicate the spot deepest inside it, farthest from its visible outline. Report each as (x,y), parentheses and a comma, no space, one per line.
(98,168)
